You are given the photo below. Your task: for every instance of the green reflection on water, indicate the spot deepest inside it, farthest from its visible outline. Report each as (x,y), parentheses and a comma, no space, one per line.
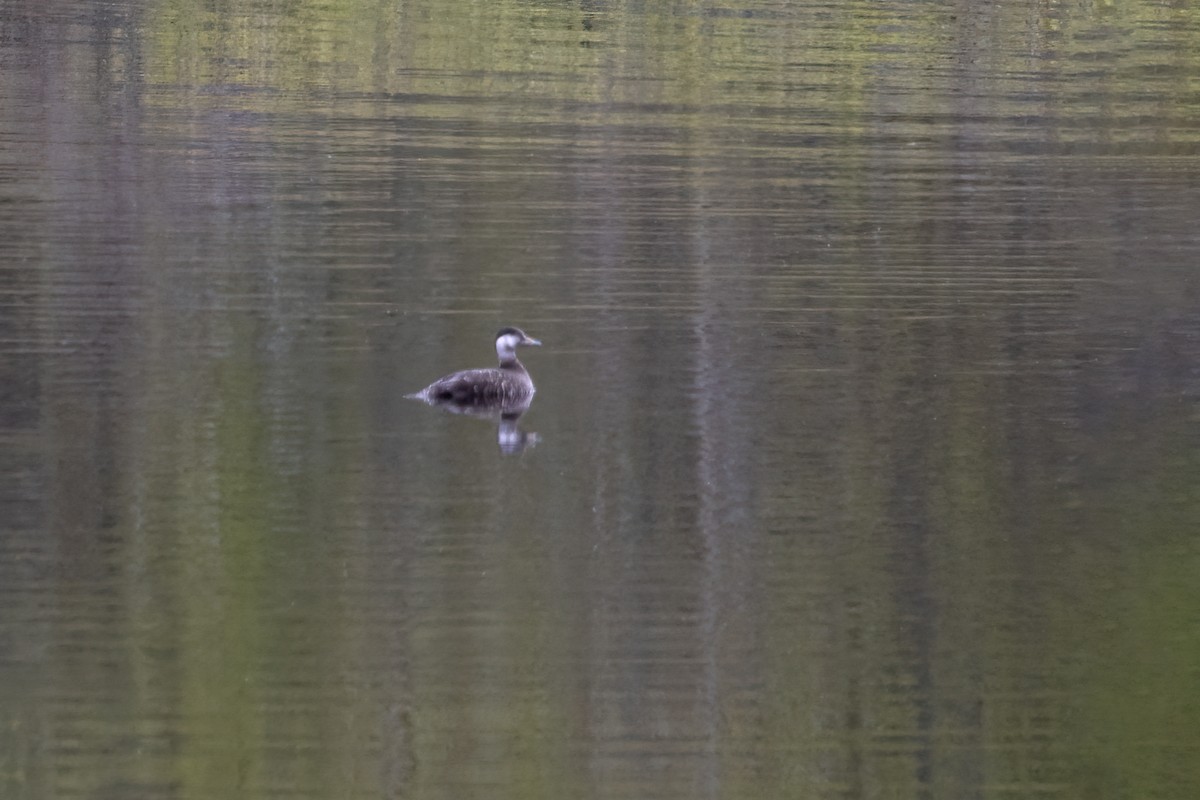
(692,55)
(226,561)
(1139,686)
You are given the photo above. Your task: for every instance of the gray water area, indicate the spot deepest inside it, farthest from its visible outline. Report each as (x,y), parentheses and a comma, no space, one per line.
(865,452)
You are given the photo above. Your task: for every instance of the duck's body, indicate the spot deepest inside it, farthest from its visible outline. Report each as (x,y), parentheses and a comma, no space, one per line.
(507,384)
(480,386)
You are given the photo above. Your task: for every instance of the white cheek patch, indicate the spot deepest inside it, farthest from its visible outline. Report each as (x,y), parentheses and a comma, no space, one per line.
(507,343)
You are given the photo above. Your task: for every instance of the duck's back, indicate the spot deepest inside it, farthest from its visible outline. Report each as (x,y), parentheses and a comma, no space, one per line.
(492,385)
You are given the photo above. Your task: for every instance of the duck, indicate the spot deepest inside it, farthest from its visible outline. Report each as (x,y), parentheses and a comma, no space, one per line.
(507,384)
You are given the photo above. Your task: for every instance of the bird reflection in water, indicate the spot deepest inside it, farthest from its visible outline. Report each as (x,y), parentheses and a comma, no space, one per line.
(509,435)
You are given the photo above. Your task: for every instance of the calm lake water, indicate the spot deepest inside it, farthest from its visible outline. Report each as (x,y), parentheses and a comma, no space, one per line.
(865,456)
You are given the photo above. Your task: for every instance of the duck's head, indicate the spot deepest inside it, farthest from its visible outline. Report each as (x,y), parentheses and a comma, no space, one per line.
(508,339)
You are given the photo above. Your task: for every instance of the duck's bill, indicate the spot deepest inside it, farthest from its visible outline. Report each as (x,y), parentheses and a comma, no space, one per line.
(532,341)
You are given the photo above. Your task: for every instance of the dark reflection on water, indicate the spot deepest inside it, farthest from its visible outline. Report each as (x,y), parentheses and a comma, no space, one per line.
(868,435)
(507,415)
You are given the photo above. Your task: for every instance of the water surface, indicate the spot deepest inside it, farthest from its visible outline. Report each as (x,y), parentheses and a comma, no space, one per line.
(866,425)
